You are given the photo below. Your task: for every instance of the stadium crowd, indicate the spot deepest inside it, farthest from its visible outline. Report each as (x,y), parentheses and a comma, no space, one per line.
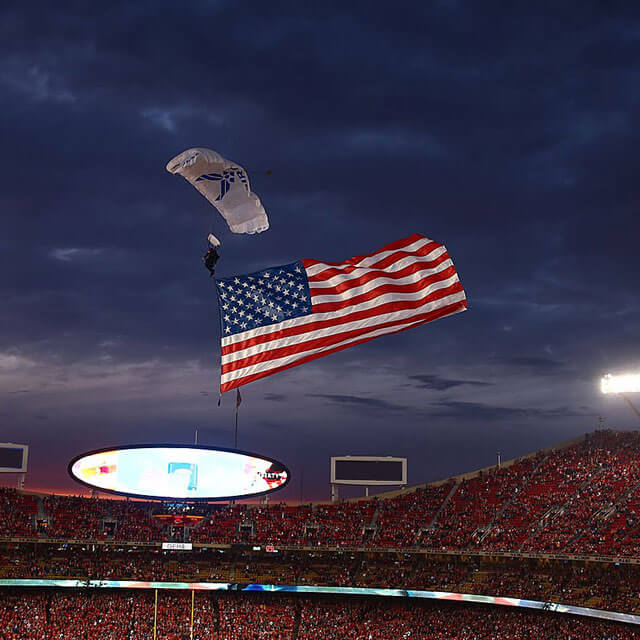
(17,513)
(580,498)
(129,615)
(599,585)
(97,519)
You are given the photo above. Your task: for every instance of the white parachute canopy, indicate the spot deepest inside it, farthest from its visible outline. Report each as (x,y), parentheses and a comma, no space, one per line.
(225,185)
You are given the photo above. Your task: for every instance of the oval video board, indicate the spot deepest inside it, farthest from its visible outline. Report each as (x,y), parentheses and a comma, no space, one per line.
(180,472)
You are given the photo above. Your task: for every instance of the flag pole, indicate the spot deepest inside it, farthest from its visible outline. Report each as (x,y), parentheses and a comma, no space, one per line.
(238,402)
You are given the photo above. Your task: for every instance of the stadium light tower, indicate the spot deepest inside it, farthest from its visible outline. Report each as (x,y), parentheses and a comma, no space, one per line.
(622,385)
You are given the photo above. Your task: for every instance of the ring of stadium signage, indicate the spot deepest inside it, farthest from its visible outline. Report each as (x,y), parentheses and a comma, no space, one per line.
(179,472)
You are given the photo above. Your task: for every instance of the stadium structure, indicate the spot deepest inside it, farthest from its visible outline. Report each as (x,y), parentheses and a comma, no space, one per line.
(543,546)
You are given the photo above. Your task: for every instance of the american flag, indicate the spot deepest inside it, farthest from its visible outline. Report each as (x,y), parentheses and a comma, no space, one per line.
(284,316)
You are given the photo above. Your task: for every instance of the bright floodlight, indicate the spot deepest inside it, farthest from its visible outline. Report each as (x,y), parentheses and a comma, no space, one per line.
(627,383)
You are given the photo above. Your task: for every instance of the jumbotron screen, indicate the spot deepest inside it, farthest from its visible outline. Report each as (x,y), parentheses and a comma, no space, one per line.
(12,458)
(180,472)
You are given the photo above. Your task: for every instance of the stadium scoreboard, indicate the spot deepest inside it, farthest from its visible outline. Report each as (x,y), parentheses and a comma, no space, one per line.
(368,470)
(185,472)
(13,457)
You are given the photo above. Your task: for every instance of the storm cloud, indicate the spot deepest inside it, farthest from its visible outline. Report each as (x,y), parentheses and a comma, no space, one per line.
(507,132)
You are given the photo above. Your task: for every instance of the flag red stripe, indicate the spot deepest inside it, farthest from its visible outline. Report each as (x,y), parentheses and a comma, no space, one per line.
(387,261)
(403,269)
(398,244)
(314,343)
(347,267)
(419,285)
(372,275)
(238,382)
(389,307)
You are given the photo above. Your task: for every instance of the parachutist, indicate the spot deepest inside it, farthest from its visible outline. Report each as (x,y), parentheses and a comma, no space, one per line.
(210,259)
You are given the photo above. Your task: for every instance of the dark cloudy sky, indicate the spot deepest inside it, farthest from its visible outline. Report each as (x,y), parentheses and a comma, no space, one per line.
(508,131)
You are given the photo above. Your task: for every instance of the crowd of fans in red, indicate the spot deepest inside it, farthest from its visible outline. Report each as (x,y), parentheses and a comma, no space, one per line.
(128,615)
(362,620)
(96,519)
(17,513)
(582,498)
(599,585)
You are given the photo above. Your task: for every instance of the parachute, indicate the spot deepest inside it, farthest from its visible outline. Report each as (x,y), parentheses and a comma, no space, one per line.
(225,185)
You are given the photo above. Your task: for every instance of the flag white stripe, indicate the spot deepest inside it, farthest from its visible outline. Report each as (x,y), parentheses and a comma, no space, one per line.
(332,315)
(272,364)
(341,328)
(376,282)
